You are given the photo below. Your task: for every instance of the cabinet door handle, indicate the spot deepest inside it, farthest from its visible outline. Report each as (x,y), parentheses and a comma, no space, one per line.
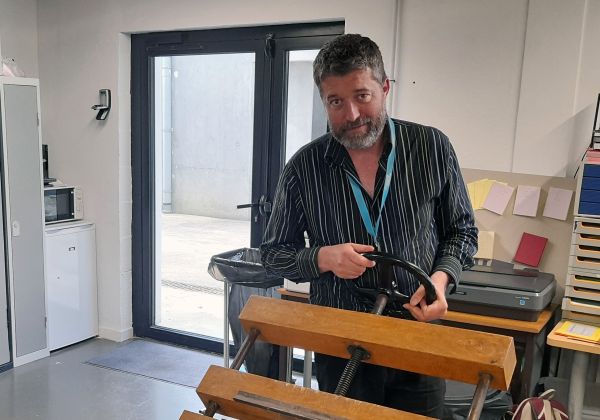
(71,248)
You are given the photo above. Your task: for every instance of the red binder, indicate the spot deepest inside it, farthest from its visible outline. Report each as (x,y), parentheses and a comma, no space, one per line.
(530,249)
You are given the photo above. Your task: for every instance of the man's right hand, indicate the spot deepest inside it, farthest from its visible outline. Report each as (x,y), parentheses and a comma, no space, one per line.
(345,260)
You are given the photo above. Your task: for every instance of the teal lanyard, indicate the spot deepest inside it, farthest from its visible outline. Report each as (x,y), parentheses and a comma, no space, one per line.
(360,200)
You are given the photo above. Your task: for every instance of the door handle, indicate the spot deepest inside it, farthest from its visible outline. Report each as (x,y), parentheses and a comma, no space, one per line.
(264,206)
(245,206)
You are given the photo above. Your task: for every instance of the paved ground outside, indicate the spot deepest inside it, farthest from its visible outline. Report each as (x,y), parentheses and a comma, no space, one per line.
(191,300)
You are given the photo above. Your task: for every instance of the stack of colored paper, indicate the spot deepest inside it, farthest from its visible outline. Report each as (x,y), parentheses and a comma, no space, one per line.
(479,191)
(578,331)
(592,156)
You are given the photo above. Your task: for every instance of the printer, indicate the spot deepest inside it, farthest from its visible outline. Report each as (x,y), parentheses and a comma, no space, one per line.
(497,288)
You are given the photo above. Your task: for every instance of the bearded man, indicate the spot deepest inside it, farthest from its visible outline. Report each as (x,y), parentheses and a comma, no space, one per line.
(372,183)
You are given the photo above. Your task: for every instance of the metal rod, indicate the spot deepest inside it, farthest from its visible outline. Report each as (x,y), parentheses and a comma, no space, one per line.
(577,385)
(380,302)
(211,409)
(289,357)
(479,397)
(244,349)
(306,381)
(357,354)
(226,322)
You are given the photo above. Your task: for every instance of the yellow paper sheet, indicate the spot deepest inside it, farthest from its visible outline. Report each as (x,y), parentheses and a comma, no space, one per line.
(580,331)
(485,241)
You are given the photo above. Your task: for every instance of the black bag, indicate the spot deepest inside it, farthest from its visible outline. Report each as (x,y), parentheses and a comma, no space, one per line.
(242,269)
(263,358)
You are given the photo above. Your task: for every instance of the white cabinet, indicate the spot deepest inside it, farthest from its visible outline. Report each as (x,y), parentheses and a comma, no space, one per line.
(24,218)
(71,283)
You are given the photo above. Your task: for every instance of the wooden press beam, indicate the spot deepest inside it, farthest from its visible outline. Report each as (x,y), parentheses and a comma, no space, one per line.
(223,385)
(430,349)
(188,415)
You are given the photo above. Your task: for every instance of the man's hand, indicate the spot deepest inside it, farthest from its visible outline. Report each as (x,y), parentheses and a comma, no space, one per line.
(420,310)
(344,260)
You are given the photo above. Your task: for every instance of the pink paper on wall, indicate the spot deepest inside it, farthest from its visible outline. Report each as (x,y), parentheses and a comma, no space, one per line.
(498,198)
(558,203)
(527,200)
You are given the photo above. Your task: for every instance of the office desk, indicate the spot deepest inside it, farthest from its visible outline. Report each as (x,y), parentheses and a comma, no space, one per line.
(581,358)
(529,334)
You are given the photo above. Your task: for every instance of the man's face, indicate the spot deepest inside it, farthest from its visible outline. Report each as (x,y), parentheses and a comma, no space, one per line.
(355,105)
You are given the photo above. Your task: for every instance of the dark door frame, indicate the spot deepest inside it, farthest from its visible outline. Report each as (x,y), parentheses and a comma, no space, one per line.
(270,44)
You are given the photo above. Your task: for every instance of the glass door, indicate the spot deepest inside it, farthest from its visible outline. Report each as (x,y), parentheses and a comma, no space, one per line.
(211,112)
(204,117)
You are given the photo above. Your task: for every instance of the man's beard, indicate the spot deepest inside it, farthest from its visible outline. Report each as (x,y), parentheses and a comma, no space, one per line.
(361,141)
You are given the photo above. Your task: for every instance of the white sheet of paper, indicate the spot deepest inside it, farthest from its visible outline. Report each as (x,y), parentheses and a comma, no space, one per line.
(527,200)
(558,203)
(498,198)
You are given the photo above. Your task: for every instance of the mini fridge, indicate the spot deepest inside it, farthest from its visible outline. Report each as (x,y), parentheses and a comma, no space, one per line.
(71,283)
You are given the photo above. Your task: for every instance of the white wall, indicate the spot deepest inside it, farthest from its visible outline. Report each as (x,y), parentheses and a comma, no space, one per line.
(459,70)
(507,80)
(18,34)
(549,86)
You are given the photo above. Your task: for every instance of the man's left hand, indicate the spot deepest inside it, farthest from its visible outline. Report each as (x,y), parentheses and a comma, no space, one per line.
(420,310)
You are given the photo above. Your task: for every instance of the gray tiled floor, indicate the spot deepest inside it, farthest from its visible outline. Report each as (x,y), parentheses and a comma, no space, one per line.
(62,387)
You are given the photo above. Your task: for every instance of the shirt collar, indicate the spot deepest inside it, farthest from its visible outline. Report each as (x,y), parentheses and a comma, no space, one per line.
(335,153)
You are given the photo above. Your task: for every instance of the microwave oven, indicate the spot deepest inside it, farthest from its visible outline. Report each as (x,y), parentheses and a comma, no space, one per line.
(63,204)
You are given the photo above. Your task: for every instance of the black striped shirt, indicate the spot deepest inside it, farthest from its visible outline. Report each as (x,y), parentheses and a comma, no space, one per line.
(427,218)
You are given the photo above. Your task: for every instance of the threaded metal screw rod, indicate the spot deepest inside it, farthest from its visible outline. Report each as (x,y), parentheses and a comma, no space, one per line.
(358,354)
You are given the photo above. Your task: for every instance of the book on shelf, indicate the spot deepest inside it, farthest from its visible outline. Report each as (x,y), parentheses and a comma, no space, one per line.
(580,331)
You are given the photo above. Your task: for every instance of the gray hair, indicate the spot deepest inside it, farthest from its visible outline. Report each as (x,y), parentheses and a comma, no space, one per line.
(348,53)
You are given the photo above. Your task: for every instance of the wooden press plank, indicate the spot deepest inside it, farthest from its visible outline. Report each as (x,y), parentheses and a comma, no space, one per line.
(188,415)
(221,385)
(430,349)
(533,327)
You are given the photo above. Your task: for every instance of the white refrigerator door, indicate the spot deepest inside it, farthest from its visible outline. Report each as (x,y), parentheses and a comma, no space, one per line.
(72,289)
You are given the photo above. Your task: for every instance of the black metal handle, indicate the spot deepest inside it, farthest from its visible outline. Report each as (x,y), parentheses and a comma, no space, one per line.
(245,206)
(385,262)
(264,206)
